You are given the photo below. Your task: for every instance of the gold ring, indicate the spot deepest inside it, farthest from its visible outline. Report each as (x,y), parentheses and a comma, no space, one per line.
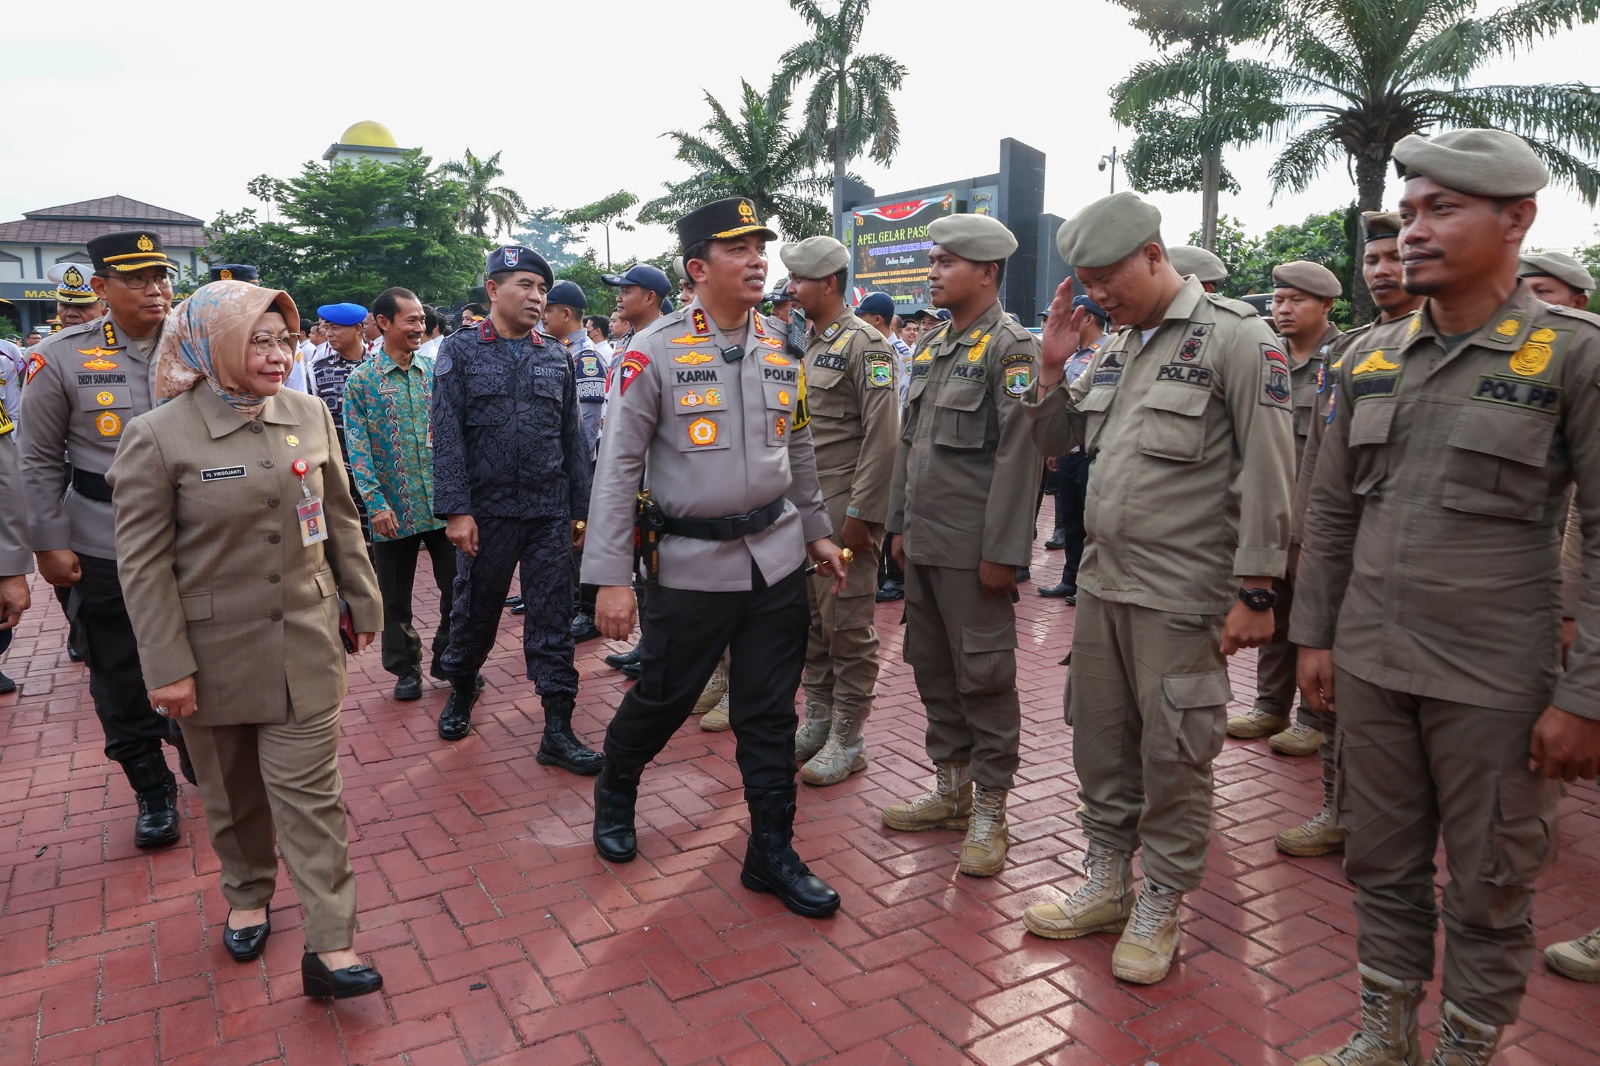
(580,524)
(846,554)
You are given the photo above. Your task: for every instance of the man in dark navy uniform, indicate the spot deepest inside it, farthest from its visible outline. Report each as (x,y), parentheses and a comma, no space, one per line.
(511,476)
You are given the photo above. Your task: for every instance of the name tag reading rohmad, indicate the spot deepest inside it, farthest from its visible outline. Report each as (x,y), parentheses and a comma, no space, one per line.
(221,473)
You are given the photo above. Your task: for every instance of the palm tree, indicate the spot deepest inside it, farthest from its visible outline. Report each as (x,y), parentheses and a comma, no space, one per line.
(1373,71)
(486,201)
(755,155)
(849,110)
(1196,100)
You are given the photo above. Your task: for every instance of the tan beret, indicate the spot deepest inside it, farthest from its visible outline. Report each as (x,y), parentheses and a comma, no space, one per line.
(1480,162)
(680,269)
(980,238)
(815,257)
(1557,265)
(1306,276)
(1187,259)
(1110,229)
(1380,225)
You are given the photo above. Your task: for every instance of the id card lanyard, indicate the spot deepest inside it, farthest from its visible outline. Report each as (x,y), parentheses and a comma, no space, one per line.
(309,509)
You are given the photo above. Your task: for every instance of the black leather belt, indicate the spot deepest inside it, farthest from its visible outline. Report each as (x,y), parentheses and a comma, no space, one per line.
(91,486)
(731,528)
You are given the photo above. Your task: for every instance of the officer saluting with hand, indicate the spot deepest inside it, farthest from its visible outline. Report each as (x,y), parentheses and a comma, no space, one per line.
(709,400)
(83,386)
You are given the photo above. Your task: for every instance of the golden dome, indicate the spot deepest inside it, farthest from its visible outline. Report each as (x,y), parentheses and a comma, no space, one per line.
(369,134)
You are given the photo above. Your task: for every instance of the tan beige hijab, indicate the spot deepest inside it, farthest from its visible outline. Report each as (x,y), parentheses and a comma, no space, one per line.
(207,338)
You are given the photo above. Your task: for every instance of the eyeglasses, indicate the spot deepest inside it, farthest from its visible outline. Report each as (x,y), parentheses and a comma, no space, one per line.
(264,343)
(159,281)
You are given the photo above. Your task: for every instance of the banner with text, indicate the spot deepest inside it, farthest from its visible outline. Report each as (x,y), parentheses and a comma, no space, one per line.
(889,245)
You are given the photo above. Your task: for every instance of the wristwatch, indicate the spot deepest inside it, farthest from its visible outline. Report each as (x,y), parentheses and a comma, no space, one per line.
(1258,599)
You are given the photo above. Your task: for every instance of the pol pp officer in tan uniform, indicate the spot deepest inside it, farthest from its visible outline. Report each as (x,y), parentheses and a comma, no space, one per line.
(1428,605)
(1186,414)
(236,536)
(962,511)
(855,424)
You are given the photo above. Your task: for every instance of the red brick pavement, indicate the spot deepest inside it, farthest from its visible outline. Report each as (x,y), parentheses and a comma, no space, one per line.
(504,940)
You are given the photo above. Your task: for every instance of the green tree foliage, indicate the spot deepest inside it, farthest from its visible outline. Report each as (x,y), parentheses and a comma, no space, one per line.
(585,271)
(1327,238)
(1196,99)
(755,154)
(489,209)
(350,230)
(850,109)
(604,212)
(545,233)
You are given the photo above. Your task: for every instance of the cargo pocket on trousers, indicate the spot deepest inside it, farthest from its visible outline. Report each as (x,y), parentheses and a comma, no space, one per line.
(1192,714)
(988,658)
(652,663)
(1522,841)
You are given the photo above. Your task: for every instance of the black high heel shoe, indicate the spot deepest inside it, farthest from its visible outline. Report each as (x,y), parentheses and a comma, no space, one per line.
(319,982)
(248,943)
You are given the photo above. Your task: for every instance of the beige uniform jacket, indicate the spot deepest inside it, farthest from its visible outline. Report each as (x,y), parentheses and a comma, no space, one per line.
(720,438)
(965,476)
(852,395)
(1431,558)
(217,581)
(1303,382)
(15,556)
(1193,446)
(83,386)
(1334,352)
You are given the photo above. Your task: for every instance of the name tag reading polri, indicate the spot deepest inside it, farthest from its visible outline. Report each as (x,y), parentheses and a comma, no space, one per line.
(309,510)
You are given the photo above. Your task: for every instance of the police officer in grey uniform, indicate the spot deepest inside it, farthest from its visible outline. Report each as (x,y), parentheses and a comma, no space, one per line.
(83,386)
(15,561)
(710,403)
(511,475)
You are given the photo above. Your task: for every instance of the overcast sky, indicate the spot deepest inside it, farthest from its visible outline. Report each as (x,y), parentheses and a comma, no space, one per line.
(181,104)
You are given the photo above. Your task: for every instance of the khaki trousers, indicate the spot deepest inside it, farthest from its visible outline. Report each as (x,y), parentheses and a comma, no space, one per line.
(1147,697)
(279,783)
(841,673)
(962,647)
(1409,768)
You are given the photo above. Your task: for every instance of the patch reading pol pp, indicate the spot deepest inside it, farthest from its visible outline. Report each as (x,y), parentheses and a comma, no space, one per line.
(1199,376)
(1517,393)
(221,473)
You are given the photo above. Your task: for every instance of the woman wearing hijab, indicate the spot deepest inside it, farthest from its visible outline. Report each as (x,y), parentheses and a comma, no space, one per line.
(236,537)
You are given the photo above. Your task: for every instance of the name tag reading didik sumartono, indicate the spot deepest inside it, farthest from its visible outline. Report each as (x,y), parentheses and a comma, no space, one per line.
(309,509)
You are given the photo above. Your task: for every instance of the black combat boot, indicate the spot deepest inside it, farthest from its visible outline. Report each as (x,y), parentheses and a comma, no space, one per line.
(175,738)
(456,718)
(559,746)
(157,791)
(615,792)
(770,862)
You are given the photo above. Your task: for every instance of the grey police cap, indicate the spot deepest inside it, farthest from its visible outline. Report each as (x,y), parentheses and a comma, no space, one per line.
(980,238)
(815,257)
(1110,229)
(1187,259)
(1480,162)
(1307,276)
(1557,265)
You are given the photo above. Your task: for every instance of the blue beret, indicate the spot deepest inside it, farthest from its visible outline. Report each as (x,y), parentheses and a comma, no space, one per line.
(343,314)
(1090,306)
(567,294)
(877,303)
(515,257)
(643,275)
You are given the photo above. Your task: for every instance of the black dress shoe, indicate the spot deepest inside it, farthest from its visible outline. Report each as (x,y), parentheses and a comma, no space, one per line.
(72,655)
(513,601)
(7,685)
(583,628)
(409,687)
(1057,541)
(1059,592)
(1024,574)
(770,862)
(455,721)
(519,607)
(890,591)
(247,943)
(623,658)
(319,982)
(633,671)
(615,793)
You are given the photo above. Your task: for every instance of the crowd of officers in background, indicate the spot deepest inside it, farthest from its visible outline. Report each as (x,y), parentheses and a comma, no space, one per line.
(1402,513)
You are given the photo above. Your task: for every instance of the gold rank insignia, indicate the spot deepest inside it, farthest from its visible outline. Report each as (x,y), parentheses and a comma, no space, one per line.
(1374,363)
(976,355)
(1509,327)
(783,397)
(145,244)
(701,325)
(780,426)
(1534,355)
(1416,324)
(923,356)
(225,275)
(692,358)
(98,363)
(772,342)
(777,360)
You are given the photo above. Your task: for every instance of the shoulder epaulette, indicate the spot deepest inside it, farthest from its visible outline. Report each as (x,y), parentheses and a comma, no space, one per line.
(1238,307)
(1577,313)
